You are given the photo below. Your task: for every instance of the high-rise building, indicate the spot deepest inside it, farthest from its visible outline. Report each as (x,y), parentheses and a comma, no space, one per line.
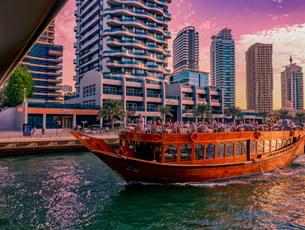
(292,87)
(127,42)
(44,62)
(186,50)
(259,78)
(223,65)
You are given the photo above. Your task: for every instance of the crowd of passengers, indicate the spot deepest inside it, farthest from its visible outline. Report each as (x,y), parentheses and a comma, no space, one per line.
(210,127)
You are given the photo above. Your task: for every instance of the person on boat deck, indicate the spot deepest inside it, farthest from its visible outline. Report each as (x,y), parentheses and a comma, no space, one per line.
(141,123)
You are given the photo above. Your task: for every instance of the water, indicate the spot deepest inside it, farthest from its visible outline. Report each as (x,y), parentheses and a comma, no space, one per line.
(77,191)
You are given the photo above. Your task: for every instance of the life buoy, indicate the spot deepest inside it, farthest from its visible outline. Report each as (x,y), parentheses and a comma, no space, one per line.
(194,137)
(256,134)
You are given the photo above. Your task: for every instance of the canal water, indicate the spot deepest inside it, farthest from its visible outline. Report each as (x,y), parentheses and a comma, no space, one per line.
(77,191)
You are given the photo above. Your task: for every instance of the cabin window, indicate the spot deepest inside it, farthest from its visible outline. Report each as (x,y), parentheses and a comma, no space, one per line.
(244,147)
(238,148)
(284,143)
(220,150)
(210,151)
(229,149)
(186,152)
(278,143)
(273,145)
(267,146)
(252,146)
(260,147)
(199,151)
(170,153)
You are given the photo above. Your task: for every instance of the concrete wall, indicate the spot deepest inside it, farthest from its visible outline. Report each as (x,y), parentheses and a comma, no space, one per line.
(9,120)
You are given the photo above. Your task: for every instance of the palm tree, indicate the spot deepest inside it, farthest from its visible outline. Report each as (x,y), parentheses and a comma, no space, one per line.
(164,110)
(284,114)
(233,112)
(201,111)
(299,117)
(113,109)
(264,115)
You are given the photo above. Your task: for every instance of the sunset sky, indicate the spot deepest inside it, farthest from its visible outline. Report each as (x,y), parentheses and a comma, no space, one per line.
(280,22)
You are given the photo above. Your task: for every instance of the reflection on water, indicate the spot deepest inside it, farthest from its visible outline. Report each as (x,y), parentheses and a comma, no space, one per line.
(78,191)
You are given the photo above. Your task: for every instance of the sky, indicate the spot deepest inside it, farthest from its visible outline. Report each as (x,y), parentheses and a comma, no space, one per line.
(280,22)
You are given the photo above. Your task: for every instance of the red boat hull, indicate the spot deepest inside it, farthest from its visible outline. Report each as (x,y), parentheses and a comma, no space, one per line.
(140,171)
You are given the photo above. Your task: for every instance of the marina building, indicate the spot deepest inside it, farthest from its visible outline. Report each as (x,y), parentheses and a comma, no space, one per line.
(292,87)
(259,78)
(223,65)
(186,50)
(126,42)
(195,78)
(44,61)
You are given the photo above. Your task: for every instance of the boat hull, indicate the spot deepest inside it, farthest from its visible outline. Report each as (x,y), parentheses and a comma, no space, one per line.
(139,171)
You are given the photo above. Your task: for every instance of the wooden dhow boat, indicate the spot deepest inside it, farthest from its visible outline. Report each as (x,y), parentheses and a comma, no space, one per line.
(196,157)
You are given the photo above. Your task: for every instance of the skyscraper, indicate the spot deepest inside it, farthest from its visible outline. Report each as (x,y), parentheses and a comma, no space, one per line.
(127,42)
(223,65)
(292,87)
(44,62)
(186,50)
(259,77)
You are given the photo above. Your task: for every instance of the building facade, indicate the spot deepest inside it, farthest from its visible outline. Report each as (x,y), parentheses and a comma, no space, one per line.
(126,42)
(44,62)
(259,78)
(186,50)
(195,78)
(292,87)
(222,54)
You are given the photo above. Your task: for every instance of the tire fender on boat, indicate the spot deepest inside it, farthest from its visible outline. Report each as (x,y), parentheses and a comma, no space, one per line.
(194,137)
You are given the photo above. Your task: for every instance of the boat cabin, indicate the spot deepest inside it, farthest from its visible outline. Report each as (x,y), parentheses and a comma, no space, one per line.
(202,148)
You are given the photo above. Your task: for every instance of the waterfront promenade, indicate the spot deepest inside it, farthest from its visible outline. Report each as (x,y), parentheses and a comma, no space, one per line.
(14,143)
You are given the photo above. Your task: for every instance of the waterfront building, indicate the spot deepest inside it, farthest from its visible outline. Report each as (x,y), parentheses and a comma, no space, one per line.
(259,78)
(186,50)
(292,87)
(183,99)
(126,42)
(196,78)
(223,65)
(44,61)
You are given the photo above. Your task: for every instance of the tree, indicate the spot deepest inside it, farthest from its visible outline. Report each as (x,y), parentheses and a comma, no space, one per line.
(201,111)
(264,115)
(2,99)
(112,110)
(164,110)
(284,114)
(299,117)
(233,112)
(20,85)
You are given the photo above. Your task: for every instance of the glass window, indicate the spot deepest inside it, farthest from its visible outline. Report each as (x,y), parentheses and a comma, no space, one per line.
(171,153)
(279,143)
(229,149)
(210,151)
(220,150)
(260,146)
(252,146)
(267,146)
(273,145)
(186,152)
(199,151)
(238,148)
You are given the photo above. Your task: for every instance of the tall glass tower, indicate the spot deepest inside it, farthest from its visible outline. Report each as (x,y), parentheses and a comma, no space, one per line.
(186,50)
(223,65)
